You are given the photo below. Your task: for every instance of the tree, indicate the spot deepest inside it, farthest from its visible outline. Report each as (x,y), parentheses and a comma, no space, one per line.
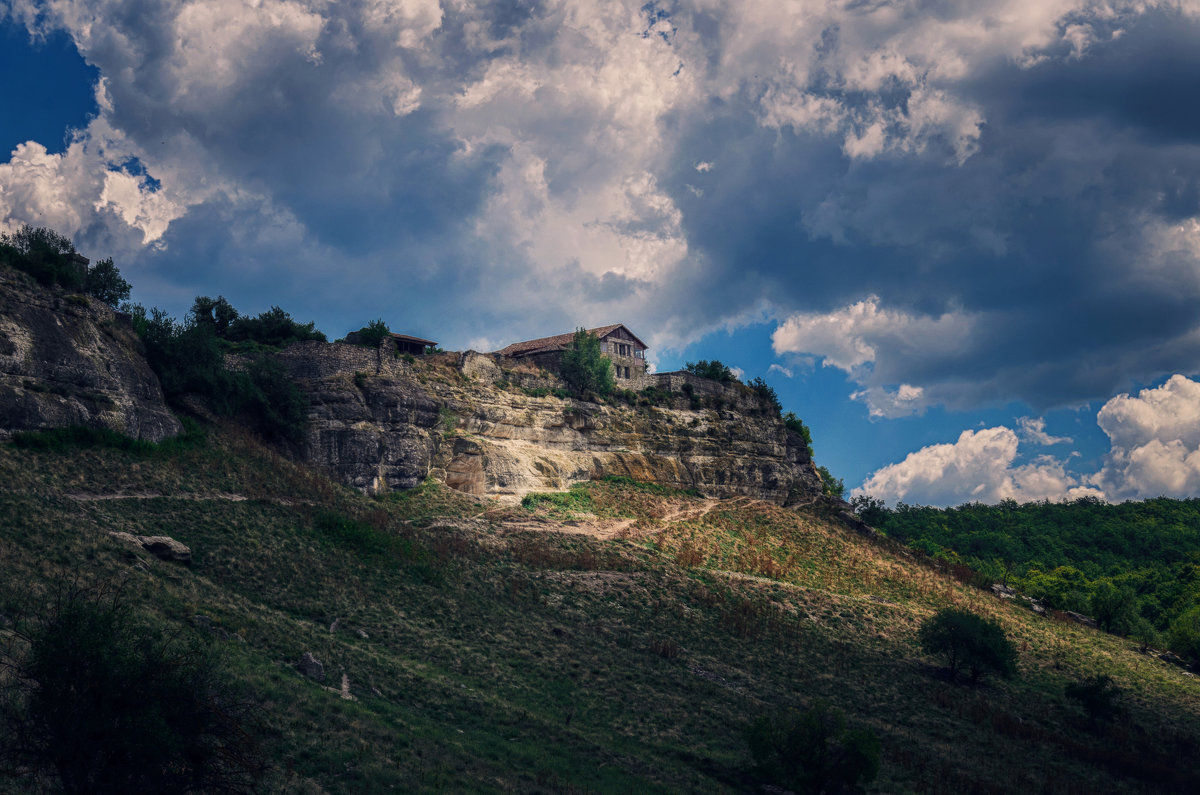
(44,254)
(104,281)
(871,510)
(217,314)
(968,643)
(813,751)
(372,334)
(584,368)
(1184,634)
(715,370)
(1115,609)
(102,702)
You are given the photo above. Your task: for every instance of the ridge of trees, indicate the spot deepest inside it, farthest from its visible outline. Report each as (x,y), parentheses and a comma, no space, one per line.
(1133,566)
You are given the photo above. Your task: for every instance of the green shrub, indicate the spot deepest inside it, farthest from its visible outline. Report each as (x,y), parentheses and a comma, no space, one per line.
(1097,695)
(79,437)
(189,360)
(794,423)
(358,537)
(372,334)
(767,395)
(714,370)
(584,368)
(813,751)
(44,254)
(832,487)
(968,642)
(562,504)
(98,701)
(1184,635)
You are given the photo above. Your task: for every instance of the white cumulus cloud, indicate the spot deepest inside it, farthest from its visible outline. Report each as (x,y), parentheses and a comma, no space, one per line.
(979,466)
(1033,430)
(1155,442)
(873,344)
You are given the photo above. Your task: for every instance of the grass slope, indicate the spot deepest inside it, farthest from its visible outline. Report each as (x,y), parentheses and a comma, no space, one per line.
(619,638)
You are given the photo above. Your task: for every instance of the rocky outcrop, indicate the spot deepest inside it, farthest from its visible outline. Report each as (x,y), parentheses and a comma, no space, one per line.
(380,422)
(68,359)
(161,547)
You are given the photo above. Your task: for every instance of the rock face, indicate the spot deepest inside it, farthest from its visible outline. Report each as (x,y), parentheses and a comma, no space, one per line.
(70,360)
(378,422)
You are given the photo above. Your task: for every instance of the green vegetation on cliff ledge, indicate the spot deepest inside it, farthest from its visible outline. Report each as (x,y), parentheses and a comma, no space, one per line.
(630,647)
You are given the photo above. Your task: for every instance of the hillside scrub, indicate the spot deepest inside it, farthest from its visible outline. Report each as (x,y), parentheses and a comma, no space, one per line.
(101,701)
(1132,565)
(189,360)
(627,648)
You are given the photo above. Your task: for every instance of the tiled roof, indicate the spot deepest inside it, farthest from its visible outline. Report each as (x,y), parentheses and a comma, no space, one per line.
(558,342)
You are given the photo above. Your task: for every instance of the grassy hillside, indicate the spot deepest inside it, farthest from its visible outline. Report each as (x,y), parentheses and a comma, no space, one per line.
(617,638)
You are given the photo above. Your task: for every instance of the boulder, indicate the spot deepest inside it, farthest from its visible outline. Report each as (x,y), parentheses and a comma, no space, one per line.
(311,667)
(166,548)
(162,547)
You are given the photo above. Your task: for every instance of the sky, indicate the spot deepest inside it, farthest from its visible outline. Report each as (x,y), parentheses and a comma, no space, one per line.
(960,239)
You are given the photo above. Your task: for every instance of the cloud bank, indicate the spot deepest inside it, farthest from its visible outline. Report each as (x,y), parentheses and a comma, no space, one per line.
(1154,451)
(911,190)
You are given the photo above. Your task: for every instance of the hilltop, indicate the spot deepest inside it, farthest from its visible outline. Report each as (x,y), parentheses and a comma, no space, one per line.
(619,637)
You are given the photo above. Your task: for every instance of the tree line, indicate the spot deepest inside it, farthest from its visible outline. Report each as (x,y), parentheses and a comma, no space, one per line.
(1133,566)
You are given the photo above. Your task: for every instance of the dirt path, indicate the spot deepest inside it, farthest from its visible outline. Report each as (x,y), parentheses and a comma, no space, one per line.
(148,495)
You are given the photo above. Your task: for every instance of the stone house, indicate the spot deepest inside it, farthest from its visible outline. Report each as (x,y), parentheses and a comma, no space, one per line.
(622,346)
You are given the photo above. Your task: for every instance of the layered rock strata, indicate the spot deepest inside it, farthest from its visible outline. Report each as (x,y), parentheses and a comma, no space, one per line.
(378,422)
(66,359)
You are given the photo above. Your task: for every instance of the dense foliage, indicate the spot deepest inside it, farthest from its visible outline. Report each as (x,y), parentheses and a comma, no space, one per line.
(51,259)
(372,334)
(1134,566)
(101,702)
(273,328)
(714,370)
(189,359)
(104,281)
(44,254)
(968,643)
(813,751)
(584,368)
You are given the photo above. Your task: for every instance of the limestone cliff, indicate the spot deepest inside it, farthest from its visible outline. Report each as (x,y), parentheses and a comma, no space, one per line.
(70,360)
(378,423)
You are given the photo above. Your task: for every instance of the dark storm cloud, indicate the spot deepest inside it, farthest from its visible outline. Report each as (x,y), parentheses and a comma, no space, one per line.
(1050,235)
(1030,180)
